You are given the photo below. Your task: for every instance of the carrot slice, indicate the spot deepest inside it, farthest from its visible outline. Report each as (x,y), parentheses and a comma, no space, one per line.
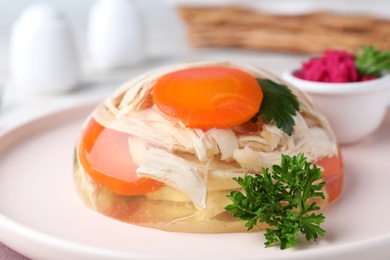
(333,175)
(105,156)
(208,97)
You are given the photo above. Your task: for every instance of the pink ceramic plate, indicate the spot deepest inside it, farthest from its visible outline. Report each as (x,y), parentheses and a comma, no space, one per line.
(42,217)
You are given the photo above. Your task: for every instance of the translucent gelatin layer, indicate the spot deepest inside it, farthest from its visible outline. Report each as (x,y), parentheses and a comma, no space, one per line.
(139,164)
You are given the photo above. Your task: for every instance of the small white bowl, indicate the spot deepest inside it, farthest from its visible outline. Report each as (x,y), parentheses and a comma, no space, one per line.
(354,110)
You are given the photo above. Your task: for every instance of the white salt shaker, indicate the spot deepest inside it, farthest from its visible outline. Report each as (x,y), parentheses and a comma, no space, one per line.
(115,34)
(43,54)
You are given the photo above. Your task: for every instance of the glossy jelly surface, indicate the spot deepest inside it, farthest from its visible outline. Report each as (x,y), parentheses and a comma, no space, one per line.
(135,164)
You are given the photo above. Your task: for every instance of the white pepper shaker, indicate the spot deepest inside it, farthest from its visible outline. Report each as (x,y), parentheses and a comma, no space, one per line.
(115,34)
(43,54)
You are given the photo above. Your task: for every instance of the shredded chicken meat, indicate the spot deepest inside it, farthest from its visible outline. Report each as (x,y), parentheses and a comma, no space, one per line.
(196,160)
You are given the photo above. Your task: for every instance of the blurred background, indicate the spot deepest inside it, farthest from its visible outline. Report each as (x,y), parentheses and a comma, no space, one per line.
(174,27)
(115,40)
(159,17)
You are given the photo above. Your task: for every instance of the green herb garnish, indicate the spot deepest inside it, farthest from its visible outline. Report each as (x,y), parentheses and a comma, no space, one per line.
(280,199)
(372,62)
(279,105)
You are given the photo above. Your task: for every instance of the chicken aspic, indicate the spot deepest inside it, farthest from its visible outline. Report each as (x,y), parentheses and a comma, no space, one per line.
(163,149)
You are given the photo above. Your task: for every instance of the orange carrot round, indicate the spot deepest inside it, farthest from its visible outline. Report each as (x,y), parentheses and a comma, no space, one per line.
(208,97)
(105,156)
(333,175)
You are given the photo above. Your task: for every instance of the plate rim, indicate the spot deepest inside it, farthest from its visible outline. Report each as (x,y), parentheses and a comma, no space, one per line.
(19,229)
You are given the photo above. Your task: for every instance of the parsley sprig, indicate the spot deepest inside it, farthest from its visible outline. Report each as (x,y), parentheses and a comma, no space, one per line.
(279,105)
(280,199)
(372,62)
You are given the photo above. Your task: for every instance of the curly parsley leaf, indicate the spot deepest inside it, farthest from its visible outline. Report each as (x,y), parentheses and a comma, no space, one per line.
(279,105)
(372,62)
(281,199)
